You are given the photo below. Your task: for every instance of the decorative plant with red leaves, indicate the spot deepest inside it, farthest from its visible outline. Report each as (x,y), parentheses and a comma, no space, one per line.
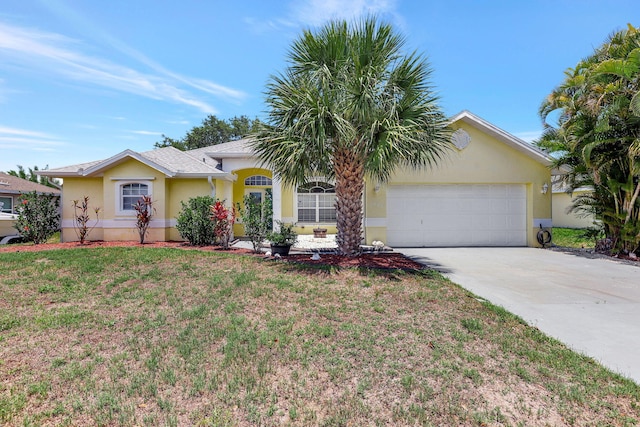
(223,218)
(144,212)
(81,218)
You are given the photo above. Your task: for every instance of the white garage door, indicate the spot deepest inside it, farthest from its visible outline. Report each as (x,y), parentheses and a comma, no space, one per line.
(457,215)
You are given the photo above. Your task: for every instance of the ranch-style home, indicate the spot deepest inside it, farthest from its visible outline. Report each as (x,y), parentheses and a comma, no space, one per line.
(11,187)
(493,190)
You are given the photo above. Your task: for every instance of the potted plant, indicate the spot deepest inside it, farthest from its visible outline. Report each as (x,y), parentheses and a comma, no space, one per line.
(282,239)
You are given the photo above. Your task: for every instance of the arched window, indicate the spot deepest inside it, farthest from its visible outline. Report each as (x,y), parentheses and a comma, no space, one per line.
(316,202)
(131,193)
(257,180)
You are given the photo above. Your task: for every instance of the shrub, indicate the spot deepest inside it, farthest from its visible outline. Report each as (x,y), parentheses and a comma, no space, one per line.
(81,218)
(38,216)
(144,212)
(257,219)
(194,221)
(284,235)
(223,219)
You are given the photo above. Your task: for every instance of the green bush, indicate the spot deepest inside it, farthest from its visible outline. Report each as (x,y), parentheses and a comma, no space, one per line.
(257,219)
(194,221)
(38,216)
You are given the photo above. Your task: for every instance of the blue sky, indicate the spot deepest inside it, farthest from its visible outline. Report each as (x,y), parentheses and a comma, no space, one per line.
(82,80)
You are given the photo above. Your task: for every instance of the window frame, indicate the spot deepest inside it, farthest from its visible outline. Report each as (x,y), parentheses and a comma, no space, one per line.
(263,181)
(119,199)
(328,189)
(4,208)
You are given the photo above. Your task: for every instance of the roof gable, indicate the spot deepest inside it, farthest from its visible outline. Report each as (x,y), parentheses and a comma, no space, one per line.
(168,160)
(503,136)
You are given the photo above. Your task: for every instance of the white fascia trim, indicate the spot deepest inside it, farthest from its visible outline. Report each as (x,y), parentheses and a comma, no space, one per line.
(222,175)
(515,142)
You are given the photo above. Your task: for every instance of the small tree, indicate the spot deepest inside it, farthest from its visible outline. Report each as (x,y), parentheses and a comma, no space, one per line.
(223,219)
(81,218)
(38,216)
(144,212)
(257,218)
(194,221)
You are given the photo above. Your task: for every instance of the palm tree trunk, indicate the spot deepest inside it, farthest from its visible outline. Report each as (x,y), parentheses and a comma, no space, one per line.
(349,171)
(632,203)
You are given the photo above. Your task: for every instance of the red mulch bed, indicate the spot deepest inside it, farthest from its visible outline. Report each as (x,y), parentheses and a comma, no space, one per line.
(383,260)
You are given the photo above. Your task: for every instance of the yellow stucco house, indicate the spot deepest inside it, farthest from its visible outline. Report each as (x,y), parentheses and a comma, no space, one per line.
(491,191)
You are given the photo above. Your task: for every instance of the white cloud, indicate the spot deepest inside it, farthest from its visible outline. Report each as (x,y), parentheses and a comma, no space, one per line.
(14,139)
(146,132)
(57,54)
(313,13)
(317,12)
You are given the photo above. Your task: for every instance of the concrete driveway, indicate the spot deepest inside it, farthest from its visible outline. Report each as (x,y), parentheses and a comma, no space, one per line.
(592,305)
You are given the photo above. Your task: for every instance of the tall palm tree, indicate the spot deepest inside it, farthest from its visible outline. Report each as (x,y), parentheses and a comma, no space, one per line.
(351,105)
(598,134)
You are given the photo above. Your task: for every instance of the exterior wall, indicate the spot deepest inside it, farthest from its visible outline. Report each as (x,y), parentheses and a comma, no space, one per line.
(181,190)
(121,225)
(561,202)
(289,215)
(484,161)
(76,189)
(103,192)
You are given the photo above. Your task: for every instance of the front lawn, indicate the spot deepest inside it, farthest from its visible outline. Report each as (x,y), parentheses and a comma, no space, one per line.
(149,337)
(572,238)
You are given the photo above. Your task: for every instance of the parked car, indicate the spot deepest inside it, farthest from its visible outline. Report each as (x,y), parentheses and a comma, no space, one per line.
(8,232)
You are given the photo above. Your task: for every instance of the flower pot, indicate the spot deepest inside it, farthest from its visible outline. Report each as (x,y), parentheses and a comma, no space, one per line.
(282,250)
(320,233)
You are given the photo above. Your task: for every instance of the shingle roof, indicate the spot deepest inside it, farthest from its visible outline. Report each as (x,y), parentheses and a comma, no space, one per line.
(168,160)
(181,162)
(10,184)
(238,148)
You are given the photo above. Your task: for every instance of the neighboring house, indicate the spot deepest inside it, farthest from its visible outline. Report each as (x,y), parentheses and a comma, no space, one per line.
(561,202)
(11,187)
(490,191)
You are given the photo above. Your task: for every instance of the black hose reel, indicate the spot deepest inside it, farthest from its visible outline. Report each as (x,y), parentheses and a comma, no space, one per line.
(544,237)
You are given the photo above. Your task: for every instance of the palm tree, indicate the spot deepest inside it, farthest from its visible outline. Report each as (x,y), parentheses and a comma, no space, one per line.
(351,105)
(598,134)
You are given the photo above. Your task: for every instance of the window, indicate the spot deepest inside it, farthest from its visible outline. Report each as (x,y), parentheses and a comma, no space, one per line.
(257,180)
(316,202)
(256,196)
(6,204)
(131,193)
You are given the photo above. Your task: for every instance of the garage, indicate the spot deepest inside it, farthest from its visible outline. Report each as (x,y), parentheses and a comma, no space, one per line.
(457,215)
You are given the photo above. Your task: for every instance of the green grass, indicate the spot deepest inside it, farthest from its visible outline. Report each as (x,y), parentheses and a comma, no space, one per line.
(572,238)
(148,336)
